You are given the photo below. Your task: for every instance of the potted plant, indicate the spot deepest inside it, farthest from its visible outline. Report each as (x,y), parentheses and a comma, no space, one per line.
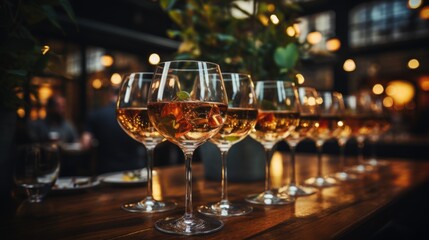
(255,37)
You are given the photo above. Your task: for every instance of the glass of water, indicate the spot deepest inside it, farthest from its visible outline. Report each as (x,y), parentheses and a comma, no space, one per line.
(37,167)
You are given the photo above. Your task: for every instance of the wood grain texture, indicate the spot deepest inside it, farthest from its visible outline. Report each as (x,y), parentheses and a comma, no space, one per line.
(351,209)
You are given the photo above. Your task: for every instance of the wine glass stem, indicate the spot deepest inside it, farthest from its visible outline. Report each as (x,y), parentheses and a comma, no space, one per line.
(224,196)
(188,177)
(319,159)
(149,167)
(342,155)
(292,163)
(361,144)
(373,149)
(267,170)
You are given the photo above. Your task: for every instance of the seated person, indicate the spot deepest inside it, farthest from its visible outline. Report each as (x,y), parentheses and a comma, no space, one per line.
(54,127)
(116,151)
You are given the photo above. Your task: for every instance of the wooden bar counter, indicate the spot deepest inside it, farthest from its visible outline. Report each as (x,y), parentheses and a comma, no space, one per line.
(355,210)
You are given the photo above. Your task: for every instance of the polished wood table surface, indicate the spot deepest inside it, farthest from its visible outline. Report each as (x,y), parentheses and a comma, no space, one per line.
(354,210)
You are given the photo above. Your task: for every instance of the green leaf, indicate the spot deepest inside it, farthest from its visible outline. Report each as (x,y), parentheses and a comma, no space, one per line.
(183,95)
(225,37)
(286,57)
(184,56)
(18,72)
(51,15)
(267,105)
(167,4)
(68,8)
(173,33)
(176,16)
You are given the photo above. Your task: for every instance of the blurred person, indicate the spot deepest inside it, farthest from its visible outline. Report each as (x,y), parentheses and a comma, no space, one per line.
(115,150)
(54,127)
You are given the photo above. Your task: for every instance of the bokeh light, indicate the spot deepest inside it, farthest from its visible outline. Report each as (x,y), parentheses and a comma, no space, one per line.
(401,91)
(333,44)
(106,60)
(378,89)
(314,37)
(349,65)
(97,83)
(413,63)
(116,79)
(154,59)
(300,78)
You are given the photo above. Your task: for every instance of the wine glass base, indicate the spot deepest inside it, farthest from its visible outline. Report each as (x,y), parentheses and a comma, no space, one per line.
(149,206)
(376,163)
(321,182)
(361,168)
(297,190)
(35,199)
(268,198)
(191,225)
(345,176)
(225,210)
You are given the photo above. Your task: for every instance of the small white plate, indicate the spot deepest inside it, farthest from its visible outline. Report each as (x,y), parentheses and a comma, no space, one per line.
(74,183)
(125,177)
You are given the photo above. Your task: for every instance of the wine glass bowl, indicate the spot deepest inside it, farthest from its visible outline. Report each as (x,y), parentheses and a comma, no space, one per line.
(278,115)
(380,123)
(187,105)
(308,123)
(240,120)
(345,133)
(358,118)
(132,116)
(329,126)
(37,167)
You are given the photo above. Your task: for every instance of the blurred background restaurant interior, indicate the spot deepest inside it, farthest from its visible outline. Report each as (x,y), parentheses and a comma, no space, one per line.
(381,45)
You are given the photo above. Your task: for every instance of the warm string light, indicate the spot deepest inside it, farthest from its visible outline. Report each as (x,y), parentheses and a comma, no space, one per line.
(154,59)
(413,63)
(116,79)
(314,37)
(414,4)
(106,60)
(333,44)
(401,92)
(424,13)
(378,89)
(349,65)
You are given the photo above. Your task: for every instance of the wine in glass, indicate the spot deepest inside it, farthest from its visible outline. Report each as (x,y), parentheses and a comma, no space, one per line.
(343,137)
(132,115)
(37,167)
(329,126)
(277,117)
(240,120)
(381,124)
(188,105)
(358,118)
(308,122)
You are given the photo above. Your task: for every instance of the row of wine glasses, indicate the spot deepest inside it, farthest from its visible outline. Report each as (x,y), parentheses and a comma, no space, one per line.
(191,102)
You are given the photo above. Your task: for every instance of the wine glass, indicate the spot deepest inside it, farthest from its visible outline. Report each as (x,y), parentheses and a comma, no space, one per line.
(240,120)
(308,120)
(132,116)
(381,124)
(37,167)
(278,115)
(342,138)
(187,105)
(329,126)
(358,117)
